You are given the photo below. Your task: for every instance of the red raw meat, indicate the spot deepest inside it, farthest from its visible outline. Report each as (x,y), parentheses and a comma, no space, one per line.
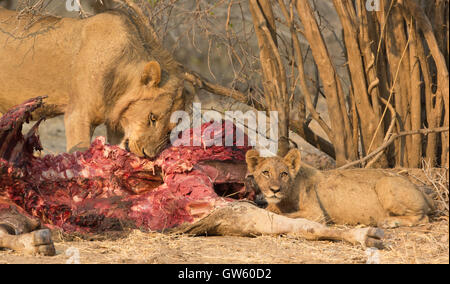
(108,188)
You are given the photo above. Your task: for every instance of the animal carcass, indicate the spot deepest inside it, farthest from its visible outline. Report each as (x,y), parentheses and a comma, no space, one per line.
(107,188)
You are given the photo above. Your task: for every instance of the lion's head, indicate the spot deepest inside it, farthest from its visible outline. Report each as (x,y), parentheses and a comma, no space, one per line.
(143,113)
(273,175)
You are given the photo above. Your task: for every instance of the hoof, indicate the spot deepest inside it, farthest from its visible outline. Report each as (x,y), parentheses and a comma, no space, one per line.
(376,233)
(47,250)
(374,236)
(43,244)
(36,242)
(368,237)
(374,243)
(42,237)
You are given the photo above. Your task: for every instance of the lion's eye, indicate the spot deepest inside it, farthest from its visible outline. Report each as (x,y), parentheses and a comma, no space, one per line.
(265,173)
(152,118)
(284,174)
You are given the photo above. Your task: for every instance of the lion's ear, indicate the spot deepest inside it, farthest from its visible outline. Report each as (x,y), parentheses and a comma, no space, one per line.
(252,158)
(151,75)
(293,160)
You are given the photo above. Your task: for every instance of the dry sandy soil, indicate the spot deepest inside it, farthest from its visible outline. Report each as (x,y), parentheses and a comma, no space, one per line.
(422,244)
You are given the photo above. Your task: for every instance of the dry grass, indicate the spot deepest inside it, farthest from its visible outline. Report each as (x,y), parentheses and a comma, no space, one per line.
(434,182)
(423,244)
(439,182)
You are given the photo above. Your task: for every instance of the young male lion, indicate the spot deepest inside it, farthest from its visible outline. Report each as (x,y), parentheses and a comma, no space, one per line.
(109,68)
(356,196)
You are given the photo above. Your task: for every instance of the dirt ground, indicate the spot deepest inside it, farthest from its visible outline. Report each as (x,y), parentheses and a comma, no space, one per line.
(423,244)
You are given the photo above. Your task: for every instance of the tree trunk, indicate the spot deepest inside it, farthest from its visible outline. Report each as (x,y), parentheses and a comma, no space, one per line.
(274,74)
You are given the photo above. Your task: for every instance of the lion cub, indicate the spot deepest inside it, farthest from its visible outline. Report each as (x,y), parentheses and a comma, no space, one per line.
(372,197)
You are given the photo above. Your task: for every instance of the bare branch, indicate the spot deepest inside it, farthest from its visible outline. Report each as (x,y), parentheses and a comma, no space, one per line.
(391,140)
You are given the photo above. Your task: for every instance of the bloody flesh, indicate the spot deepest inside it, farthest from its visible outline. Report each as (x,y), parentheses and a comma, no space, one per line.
(108,188)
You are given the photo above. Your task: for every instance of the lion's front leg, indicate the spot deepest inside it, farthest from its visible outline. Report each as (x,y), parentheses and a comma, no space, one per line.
(245,219)
(78,131)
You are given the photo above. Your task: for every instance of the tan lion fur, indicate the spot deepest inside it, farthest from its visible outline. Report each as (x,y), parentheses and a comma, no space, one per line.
(102,69)
(356,196)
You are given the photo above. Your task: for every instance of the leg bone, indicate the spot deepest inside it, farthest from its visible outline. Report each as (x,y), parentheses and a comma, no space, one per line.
(245,219)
